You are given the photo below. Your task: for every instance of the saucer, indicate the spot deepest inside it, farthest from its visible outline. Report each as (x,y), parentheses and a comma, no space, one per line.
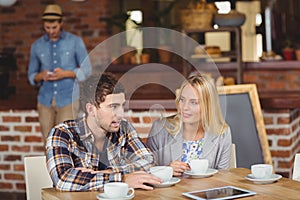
(208,173)
(102,196)
(169,183)
(273,178)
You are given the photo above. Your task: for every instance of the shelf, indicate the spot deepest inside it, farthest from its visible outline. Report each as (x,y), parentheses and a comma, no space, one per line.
(234,55)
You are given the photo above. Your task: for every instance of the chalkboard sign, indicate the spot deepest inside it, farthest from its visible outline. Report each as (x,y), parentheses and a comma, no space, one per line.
(242,111)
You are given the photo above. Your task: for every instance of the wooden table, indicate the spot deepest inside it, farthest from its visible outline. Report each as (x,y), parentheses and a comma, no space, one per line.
(282,189)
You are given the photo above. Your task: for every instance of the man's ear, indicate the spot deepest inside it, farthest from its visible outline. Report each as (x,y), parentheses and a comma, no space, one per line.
(90,109)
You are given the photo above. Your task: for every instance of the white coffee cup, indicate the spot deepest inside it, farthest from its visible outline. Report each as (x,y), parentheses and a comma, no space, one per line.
(261,170)
(163,172)
(118,190)
(199,166)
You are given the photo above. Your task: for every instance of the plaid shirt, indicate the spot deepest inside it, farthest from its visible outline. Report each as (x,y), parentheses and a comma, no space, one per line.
(71,145)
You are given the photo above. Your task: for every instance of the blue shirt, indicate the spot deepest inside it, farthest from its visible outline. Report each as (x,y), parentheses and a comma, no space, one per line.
(68,53)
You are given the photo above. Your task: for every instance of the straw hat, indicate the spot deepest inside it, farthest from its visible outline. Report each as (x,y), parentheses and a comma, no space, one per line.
(52,11)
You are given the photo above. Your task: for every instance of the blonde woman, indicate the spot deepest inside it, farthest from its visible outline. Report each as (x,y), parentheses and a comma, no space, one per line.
(198,130)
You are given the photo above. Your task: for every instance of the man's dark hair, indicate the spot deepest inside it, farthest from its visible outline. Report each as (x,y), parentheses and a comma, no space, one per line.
(95,89)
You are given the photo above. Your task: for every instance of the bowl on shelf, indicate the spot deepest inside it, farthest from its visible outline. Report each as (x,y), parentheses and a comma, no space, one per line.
(233,18)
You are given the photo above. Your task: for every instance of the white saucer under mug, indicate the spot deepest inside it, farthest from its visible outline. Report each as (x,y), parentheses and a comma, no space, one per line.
(271,179)
(169,183)
(208,173)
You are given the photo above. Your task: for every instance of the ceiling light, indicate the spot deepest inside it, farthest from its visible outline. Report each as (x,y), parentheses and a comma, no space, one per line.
(7,3)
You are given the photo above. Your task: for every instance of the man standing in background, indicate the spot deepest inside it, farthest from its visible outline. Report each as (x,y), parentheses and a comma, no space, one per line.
(58,60)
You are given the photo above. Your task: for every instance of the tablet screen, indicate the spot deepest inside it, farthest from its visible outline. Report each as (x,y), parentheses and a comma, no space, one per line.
(227,192)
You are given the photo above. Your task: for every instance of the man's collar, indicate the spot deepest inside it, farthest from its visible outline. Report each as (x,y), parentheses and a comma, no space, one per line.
(62,35)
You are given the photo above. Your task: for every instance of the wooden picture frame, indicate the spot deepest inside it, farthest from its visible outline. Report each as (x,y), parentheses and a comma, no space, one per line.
(249,90)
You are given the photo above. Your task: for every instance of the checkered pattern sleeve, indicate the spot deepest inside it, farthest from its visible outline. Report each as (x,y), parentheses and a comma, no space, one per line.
(131,154)
(65,156)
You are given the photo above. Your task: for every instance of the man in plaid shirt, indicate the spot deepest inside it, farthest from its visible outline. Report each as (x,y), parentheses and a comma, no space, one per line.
(101,146)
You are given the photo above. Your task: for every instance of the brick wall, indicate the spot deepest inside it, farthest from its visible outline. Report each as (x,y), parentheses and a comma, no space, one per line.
(20,136)
(274,80)
(283,131)
(21,24)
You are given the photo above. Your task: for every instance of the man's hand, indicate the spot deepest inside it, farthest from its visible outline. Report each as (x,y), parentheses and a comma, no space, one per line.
(59,73)
(141,180)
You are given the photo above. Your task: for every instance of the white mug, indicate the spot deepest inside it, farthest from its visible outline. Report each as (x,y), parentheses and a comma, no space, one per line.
(261,170)
(165,173)
(118,190)
(199,166)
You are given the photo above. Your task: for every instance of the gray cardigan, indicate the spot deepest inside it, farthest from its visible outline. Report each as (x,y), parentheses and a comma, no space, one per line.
(167,148)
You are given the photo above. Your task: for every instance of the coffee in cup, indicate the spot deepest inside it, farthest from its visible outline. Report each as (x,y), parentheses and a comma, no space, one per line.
(199,166)
(118,190)
(165,173)
(262,171)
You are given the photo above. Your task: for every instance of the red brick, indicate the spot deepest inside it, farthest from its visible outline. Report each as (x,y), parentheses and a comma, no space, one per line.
(12,158)
(13,176)
(10,138)
(3,147)
(18,167)
(276,85)
(31,119)
(283,120)
(250,78)
(281,154)
(38,149)
(38,129)
(6,185)
(147,120)
(11,119)
(277,111)
(16,148)
(282,164)
(23,128)
(21,186)
(285,143)
(134,119)
(4,167)
(4,128)
(279,131)
(33,139)
(268,120)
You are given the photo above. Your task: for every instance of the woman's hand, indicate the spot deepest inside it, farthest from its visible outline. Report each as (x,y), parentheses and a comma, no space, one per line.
(179,167)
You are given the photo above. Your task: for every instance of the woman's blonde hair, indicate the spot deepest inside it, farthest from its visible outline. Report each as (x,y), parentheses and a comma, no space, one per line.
(212,118)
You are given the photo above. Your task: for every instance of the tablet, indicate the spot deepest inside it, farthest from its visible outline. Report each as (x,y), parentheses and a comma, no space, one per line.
(227,192)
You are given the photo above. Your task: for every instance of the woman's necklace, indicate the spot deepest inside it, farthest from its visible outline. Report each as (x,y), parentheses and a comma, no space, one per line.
(196,136)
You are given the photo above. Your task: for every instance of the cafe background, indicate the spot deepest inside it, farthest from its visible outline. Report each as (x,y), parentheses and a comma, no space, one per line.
(20,26)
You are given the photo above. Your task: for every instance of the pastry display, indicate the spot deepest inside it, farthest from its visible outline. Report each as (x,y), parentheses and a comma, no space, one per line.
(213,50)
(207,50)
(270,56)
